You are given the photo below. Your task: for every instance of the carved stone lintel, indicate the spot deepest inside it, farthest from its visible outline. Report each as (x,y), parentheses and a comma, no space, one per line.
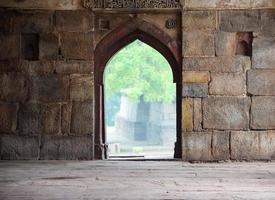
(131,4)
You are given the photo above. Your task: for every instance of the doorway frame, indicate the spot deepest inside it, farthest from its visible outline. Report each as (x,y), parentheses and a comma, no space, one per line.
(114,41)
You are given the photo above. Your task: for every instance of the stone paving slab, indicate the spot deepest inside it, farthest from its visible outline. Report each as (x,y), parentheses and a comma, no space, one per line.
(41,180)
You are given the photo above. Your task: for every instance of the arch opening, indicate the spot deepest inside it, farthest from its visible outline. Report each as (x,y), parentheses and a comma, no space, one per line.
(140,104)
(108,47)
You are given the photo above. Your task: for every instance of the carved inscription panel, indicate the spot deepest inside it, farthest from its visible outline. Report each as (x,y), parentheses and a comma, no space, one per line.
(132,4)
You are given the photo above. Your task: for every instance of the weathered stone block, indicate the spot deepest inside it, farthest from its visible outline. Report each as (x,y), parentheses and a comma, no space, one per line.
(231,84)
(50,88)
(33,22)
(226,113)
(34,4)
(195,90)
(67,147)
(217,64)
(240,20)
(48,46)
(37,119)
(51,119)
(187,114)
(267,22)
(82,118)
(225,43)
(10,46)
(78,21)
(197,114)
(258,145)
(196,146)
(13,66)
(18,147)
(8,117)
(262,4)
(66,118)
(30,119)
(228,4)
(220,145)
(40,67)
(198,44)
(263,53)
(199,20)
(81,87)
(261,82)
(77,46)
(74,67)
(13,87)
(263,113)
(195,77)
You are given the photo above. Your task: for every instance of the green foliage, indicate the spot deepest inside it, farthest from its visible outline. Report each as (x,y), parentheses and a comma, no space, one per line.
(139,70)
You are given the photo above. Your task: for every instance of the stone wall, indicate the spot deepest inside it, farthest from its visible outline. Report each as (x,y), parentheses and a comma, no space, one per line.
(46,94)
(228,85)
(47,84)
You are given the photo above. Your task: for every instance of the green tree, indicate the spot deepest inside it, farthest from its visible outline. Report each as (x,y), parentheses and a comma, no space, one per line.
(139,70)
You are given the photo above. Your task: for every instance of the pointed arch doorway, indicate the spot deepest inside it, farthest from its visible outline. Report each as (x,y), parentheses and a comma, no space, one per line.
(120,37)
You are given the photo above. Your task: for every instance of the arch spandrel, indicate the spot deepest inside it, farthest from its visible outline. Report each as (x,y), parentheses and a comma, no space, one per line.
(147,33)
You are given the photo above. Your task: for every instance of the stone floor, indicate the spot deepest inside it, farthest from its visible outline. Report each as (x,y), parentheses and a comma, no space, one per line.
(135,180)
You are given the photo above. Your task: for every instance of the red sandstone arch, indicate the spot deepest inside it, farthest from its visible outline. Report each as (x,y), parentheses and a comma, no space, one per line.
(113,42)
